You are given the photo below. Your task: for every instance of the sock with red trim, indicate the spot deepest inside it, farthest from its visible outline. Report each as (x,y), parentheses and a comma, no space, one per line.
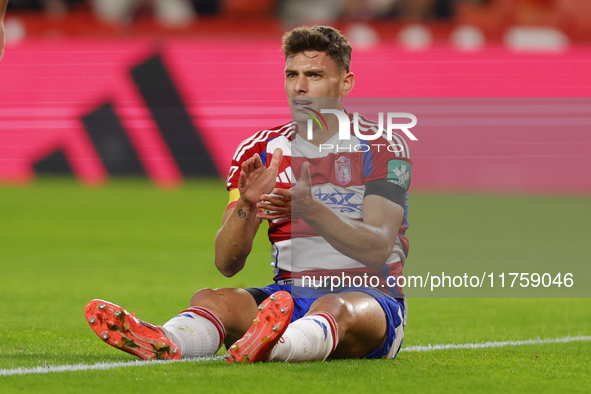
(197,332)
(311,338)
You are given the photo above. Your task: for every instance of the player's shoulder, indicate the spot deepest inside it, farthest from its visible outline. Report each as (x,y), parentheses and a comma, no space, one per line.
(258,141)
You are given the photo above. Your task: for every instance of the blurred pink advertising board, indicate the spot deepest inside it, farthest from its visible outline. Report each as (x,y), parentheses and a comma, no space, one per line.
(488,120)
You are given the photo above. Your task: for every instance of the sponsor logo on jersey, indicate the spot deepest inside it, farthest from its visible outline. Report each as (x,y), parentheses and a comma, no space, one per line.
(339,201)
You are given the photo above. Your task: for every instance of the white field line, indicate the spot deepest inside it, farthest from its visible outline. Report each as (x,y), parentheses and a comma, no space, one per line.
(138,363)
(485,345)
(97,366)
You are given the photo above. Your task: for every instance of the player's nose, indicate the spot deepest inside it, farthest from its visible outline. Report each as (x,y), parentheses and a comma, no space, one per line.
(300,85)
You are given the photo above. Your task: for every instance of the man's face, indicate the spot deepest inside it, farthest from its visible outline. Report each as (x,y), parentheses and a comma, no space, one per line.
(313,80)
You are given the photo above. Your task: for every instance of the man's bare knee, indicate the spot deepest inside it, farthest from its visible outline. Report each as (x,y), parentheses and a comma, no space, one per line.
(220,301)
(202,296)
(337,306)
(234,307)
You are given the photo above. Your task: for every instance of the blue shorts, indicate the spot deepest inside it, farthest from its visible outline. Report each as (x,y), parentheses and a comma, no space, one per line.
(394,309)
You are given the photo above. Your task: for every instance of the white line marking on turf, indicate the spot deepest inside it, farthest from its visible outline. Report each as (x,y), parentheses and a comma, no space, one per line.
(138,363)
(97,366)
(429,348)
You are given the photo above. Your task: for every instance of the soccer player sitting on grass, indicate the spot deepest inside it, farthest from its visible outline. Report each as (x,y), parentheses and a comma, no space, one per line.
(345,217)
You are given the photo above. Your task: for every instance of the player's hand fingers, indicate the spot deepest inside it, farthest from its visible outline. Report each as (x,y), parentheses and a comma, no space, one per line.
(276,160)
(285,193)
(277,202)
(253,160)
(242,180)
(246,165)
(273,207)
(272,215)
(273,199)
(271,173)
(257,162)
(305,178)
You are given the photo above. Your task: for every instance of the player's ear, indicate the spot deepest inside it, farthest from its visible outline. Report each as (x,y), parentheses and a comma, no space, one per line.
(348,83)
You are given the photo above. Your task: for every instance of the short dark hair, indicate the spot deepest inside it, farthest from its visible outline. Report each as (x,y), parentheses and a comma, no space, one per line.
(319,38)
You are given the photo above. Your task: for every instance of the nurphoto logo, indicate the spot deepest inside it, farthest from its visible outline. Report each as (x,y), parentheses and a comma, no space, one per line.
(345,128)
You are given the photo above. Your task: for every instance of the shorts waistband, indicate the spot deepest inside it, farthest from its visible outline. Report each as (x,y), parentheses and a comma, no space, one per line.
(299,283)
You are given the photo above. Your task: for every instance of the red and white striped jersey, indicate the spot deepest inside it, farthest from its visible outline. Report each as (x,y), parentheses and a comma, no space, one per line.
(340,172)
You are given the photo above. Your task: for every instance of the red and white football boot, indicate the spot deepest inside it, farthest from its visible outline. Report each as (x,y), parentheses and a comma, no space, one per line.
(270,323)
(123,330)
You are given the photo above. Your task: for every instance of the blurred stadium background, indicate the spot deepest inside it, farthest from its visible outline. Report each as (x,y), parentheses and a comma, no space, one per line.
(168,89)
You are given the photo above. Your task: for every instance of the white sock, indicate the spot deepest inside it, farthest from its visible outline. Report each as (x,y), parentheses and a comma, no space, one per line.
(311,338)
(197,332)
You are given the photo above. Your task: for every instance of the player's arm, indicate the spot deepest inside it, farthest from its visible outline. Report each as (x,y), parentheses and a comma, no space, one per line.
(3,4)
(369,241)
(233,242)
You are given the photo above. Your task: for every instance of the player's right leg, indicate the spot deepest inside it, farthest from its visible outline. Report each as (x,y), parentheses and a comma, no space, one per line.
(235,308)
(123,330)
(213,317)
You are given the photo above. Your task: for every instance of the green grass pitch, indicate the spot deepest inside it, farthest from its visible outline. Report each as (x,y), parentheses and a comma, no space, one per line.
(148,250)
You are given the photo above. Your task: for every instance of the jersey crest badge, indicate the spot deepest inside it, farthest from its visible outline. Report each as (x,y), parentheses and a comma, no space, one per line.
(343,170)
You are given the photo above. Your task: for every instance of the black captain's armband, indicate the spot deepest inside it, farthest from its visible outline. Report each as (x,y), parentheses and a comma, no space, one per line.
(389,190)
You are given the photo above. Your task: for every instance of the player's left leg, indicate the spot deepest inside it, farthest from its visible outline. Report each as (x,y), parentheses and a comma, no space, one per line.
(347,325)
(361,322)
(271,321)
